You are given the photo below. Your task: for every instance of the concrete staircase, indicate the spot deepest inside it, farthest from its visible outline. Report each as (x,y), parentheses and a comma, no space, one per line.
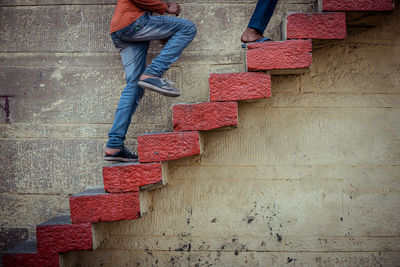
(124,194)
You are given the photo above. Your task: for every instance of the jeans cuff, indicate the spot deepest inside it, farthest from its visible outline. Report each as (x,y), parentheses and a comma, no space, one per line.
(114,146)
(151,74)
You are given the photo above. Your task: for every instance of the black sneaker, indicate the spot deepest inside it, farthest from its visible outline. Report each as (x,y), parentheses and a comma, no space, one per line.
(123,155)
(160,85)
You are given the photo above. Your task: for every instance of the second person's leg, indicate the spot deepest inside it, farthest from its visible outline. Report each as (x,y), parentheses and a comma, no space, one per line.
(259,20)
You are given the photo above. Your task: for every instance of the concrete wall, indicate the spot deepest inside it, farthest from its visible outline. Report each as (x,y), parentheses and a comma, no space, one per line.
(310,177)
(62,79)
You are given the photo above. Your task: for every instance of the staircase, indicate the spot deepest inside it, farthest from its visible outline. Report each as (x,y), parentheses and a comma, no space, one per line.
(124,193)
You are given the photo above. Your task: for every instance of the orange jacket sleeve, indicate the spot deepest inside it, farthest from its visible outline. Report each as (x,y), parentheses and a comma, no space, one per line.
(151,5)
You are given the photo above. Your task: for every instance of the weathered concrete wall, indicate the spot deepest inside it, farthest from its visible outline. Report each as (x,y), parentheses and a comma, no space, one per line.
(310,177)
(62,79)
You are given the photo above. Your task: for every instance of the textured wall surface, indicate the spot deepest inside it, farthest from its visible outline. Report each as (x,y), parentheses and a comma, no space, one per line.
(310,176)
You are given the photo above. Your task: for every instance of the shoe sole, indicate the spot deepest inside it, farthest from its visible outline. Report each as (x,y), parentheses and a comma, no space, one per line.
(158,89)
(120,159)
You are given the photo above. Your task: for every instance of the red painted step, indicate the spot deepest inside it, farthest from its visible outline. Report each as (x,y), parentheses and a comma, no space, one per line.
(282,55)
(60,235)
(239,86)
(25,254)
(204,116)
(357,5)
(316,26)
(167,146)
(94,205)
(130,177)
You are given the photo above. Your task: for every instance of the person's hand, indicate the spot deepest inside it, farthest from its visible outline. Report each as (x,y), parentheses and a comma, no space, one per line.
(173,8)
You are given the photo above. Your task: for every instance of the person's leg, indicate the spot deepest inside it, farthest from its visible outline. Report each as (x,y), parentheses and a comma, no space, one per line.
(133,42)
(262,15)
(179,32)
(259,20)
(134,62)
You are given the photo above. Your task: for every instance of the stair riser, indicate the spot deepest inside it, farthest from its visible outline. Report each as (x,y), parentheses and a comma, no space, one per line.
(357,5)
(105,207)
(204,116)
(316,26)
(30,260)
(239,86)
(63,238)
(168,146)
(130,178)
(286,55)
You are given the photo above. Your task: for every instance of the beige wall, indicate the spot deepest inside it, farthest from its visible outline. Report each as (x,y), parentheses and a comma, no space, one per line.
(310,176)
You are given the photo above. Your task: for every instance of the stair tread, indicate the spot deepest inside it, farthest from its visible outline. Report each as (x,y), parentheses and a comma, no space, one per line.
(61,219)
(25,247)
(91,191)
(122,164)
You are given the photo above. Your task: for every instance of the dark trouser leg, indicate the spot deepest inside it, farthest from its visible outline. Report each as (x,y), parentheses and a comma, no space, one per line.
(262,15)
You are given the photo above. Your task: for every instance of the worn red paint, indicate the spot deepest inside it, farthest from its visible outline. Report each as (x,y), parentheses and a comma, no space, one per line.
(291,54)
(168,146)
(63,238)
(316,26)
(239,86)
(31,260)
(204,116)
(131,177)
(357,5)
(104,207)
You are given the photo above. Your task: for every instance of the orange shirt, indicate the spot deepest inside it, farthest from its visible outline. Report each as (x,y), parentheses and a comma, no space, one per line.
(127,11)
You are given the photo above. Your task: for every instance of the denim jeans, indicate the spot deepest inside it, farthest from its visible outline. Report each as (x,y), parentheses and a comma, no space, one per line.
(133,43)
(262,14)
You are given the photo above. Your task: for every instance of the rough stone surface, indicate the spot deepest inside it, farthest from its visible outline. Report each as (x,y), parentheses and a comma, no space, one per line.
(204,116)
(168,146)
(310,178)
(36,208)
(10,237)
(131,177)
(104,207)
(221,257)
(32,260)
(320,157)
(316,26)
(25,254)
(63,238)
(357,5)
(65,78)
(287,55)
(239,86)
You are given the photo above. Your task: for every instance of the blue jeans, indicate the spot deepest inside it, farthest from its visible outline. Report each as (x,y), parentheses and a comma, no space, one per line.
(262,14)
(133,43)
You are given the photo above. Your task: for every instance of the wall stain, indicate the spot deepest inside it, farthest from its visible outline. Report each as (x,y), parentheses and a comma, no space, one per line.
(6,107)
(250,219)
(279,237)
(290,260)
